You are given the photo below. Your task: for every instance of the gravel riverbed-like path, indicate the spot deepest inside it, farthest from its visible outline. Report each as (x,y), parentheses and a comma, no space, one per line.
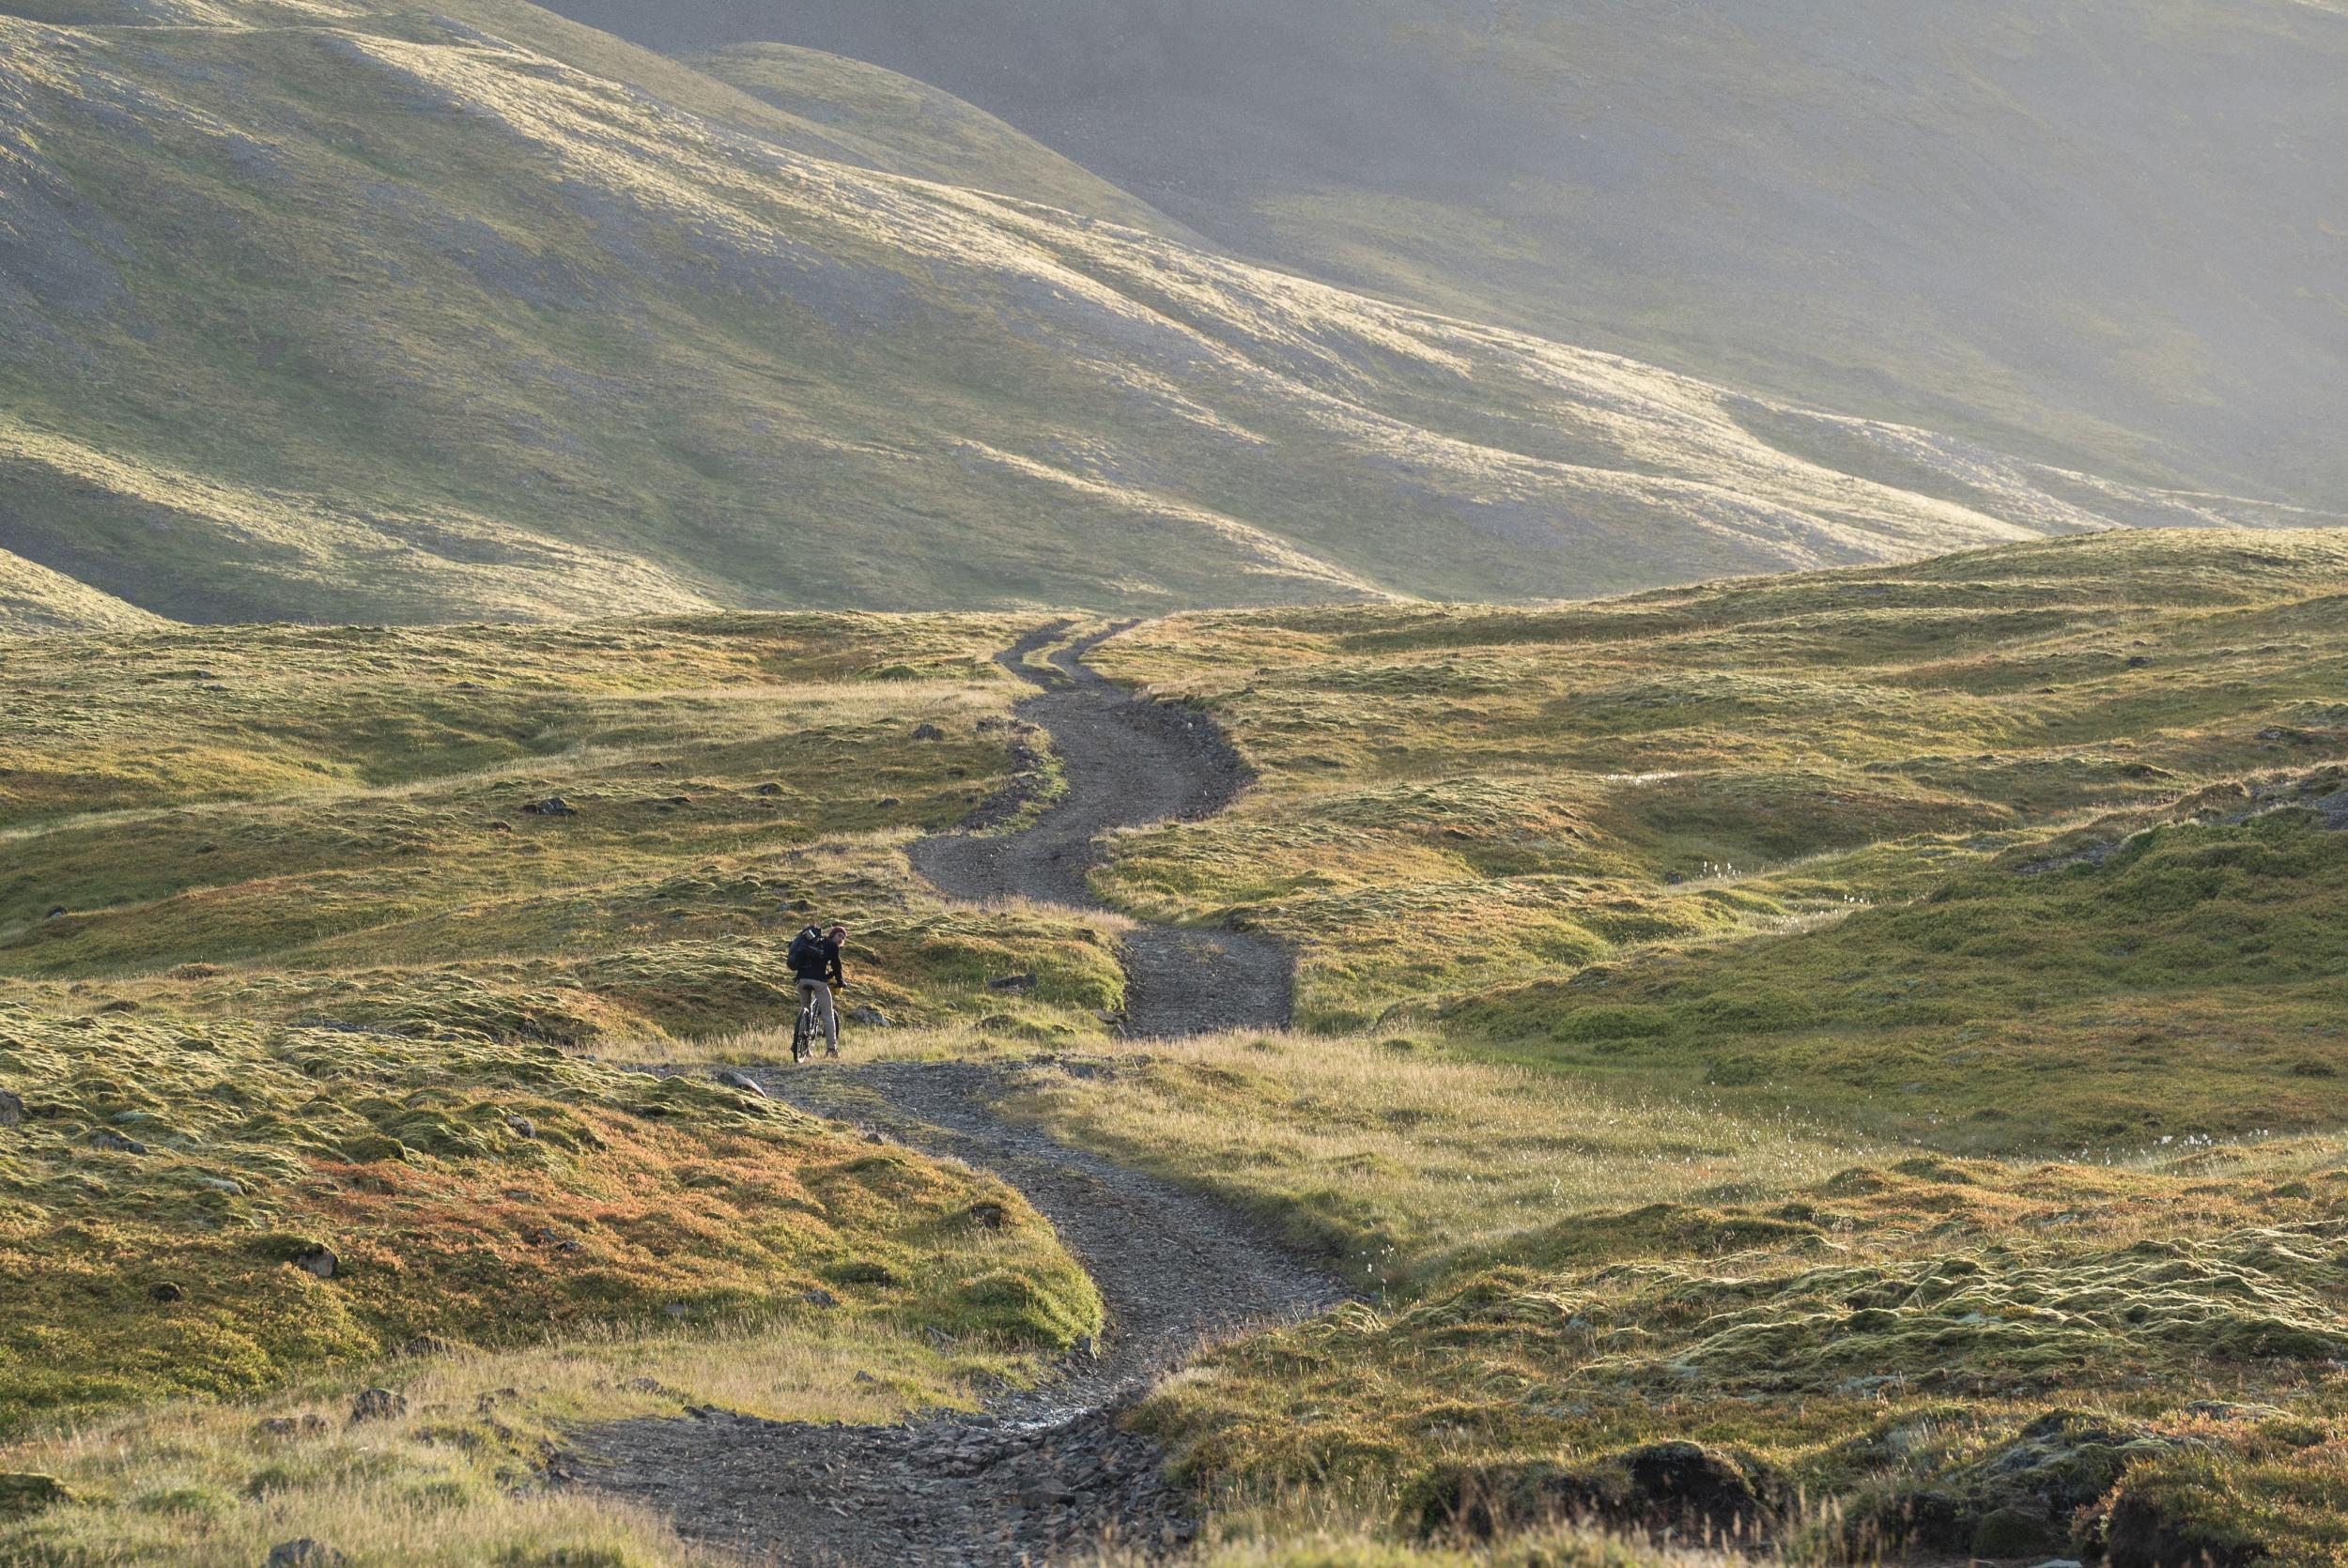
(1043,1473)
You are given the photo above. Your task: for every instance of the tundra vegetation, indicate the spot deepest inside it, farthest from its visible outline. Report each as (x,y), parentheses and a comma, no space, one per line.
(1834,1066)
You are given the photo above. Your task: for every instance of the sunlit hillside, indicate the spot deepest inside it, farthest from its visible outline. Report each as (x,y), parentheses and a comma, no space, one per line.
(2109,235)
(361,314)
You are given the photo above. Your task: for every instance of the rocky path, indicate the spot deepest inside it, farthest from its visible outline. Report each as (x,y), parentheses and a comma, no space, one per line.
(1041,1474)
(1127,764)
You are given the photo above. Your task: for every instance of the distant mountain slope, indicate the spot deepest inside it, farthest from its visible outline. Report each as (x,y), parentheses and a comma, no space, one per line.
(2112,233)
(905,127)
(35,599)
(330,313)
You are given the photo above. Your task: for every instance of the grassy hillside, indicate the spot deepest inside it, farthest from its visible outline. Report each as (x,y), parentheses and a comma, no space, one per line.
(1712,940)
(388,317)
(2109,237)
(35,599)
(313,1014)
(1877,1027)
(907,127)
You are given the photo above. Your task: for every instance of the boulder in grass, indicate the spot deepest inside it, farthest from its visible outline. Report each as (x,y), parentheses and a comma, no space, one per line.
(377,1404)
(319,1260)
(928,732)
(745,1082)
(553,805)
(872,1017)
(12,1110)
(305,1553)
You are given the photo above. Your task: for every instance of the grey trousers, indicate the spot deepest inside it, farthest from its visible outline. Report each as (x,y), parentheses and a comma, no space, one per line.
(824,1009)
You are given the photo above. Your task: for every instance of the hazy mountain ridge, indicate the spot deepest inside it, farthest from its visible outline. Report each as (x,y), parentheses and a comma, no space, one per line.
(2112,235)
(393,318)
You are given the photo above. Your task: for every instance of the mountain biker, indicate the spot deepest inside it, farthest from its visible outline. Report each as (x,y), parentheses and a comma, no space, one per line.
(814,958)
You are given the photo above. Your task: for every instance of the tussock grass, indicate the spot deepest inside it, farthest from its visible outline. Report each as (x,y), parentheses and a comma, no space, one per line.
(1398,1155)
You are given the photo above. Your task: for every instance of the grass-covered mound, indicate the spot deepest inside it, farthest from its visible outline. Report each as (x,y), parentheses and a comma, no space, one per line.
(1924,1358)
(322,952)
(2132,983)
(1527,819)
(596,837)
(207,1208)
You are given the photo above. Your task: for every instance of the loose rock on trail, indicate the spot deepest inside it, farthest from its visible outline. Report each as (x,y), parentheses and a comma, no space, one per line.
(1045,1471)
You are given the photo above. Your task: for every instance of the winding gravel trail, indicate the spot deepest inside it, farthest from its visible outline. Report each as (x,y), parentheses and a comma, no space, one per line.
(1127,764)
(1043,1473)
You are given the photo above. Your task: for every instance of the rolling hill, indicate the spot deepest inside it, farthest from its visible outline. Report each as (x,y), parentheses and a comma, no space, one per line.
(1874,1035)
(2112,237)
(349,313)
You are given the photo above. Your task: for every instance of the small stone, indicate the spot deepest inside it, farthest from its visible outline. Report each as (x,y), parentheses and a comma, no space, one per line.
(305,1553)
(819,1297)
(745,1082)
(553,805)
(377,1404)
(928,732)
(1016,983)
(866,1377)
(12,1110)
(987,1215)
(770,790)
(320,1261)
(164,1291)
(500,827)
(57,911)
(105,1138)
(888,803)
(522,1126)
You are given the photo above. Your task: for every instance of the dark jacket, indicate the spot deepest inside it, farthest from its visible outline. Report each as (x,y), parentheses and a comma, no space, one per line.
(816,956)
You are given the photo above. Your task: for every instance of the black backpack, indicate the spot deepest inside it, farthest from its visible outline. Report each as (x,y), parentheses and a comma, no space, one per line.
(807,954)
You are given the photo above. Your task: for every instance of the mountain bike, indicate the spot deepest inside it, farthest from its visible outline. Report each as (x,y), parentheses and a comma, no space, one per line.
(809,1026)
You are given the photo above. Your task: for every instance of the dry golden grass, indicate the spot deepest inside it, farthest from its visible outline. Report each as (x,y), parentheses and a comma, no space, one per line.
(1397,1153)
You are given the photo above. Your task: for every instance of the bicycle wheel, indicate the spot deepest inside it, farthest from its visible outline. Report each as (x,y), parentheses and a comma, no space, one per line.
(803,1035)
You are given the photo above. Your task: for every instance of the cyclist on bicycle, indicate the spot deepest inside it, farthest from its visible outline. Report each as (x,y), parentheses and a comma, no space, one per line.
(815,960)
